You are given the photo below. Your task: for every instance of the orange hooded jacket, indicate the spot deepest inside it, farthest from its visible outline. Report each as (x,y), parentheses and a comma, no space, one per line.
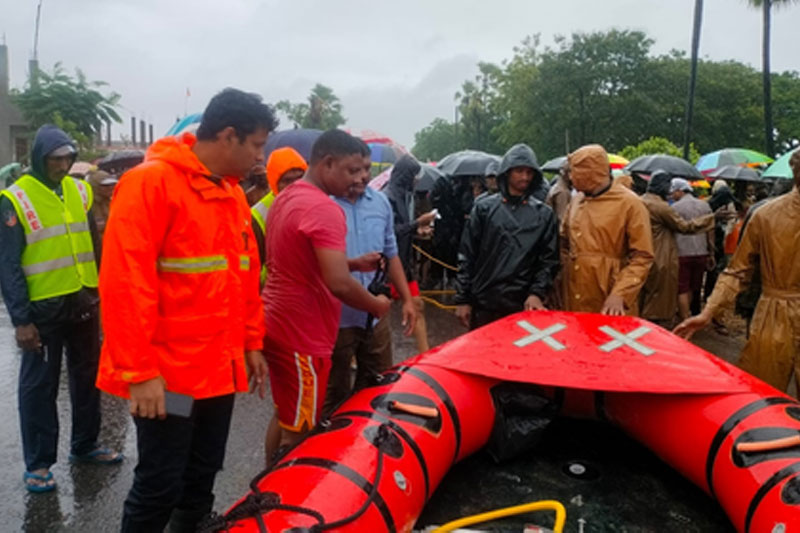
(179,278)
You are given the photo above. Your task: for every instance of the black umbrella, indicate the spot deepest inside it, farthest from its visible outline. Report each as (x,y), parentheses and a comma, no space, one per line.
(647,164)
(466,163)
(737,173)
(300,139)
(430,175)
(554,165)
(121,160)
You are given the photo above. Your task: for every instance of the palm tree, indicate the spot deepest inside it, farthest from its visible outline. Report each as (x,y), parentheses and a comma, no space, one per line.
(698,24)
(766,7)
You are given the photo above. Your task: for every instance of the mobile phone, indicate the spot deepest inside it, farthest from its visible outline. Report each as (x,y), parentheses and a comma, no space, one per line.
(178,404)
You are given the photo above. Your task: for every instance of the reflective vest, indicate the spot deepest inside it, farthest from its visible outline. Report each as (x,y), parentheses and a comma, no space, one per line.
(58,258)
(259,212)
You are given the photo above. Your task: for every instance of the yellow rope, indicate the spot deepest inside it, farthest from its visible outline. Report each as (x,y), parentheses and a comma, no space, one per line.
(438,261)
(434,293)
(437,304)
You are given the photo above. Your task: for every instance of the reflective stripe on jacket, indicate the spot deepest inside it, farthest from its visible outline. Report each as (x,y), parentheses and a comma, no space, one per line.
(179,278)
(58,258)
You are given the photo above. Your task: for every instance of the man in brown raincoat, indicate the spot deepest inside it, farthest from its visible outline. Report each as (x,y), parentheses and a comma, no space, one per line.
(771,240)
(659,297)
(607,245)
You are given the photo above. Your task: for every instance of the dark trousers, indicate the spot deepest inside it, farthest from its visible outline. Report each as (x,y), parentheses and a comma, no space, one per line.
(178,461)
(373,354)
(38,388)
(481,317)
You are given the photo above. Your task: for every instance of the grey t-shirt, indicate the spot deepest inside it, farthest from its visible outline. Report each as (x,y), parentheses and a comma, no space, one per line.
(689,208)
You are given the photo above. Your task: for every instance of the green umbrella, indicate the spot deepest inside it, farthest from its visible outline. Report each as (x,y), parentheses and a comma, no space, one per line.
(780,169)
(11,170)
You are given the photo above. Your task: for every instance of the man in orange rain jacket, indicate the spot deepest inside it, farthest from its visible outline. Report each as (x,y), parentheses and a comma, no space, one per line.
(180,307)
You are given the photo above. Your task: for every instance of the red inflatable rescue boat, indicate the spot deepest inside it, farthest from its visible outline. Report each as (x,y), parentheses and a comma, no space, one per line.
(375,463)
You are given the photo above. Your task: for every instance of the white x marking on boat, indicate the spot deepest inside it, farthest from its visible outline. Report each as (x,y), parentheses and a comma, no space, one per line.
(537,335)
(629,340)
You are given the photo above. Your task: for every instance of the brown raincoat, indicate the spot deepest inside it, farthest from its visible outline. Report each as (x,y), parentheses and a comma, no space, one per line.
(660,292)
(606,239)
(772,238)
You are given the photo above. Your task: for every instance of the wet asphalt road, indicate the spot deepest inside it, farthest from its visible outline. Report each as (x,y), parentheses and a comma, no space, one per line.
(89,498)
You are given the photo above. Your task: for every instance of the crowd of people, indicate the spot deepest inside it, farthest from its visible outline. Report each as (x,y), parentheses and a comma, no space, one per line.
(218,270)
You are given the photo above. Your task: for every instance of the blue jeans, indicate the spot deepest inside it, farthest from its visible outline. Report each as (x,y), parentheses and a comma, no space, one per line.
(38,388)
(178,461)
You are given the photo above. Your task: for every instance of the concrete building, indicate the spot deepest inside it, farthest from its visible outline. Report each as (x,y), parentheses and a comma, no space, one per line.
(13,129)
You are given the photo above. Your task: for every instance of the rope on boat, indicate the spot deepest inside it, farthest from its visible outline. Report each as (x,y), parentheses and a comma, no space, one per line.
(545,505)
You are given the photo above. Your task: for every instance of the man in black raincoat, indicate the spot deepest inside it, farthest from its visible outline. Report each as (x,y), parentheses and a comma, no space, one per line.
(508,256)
(400,192)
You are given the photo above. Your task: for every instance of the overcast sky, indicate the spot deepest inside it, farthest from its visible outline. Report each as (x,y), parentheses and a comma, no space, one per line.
(395,65)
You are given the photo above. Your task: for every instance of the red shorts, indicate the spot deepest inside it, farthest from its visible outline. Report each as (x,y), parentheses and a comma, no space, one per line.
(413,287)
(690,276)
(298,384)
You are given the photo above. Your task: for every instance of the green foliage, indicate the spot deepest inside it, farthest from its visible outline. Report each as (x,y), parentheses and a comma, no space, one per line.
(608,88)
(76,105)
(658,145)
(323,110)
(435,140)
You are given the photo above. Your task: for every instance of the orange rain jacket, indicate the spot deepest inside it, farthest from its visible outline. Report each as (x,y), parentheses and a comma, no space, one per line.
(179,278)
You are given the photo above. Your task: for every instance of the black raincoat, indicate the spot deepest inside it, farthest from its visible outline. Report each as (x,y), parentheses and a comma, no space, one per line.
(509,247)
(400,192)
(69,308)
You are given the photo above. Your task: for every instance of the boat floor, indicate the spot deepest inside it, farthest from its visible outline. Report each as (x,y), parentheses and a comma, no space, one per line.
(623,487)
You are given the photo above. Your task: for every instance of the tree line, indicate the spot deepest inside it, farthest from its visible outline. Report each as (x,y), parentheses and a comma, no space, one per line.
(609,88)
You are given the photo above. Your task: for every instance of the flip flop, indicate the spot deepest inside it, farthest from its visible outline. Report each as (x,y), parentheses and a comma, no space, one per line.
(49,483)
(100,456)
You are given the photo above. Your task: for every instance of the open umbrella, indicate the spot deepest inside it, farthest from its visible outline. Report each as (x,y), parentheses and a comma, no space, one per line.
(736,173)
(121,160)
(555,164)
(189,123)
(731,156)
(371,136)
(617,161)
(430,175)
(300,139)
(647,164)
(780,169)
(10,173)
(466,163)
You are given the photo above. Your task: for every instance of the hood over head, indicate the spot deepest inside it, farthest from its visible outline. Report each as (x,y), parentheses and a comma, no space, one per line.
(280,162)
(589,168)
(519,155)
(660,183)
(404,172)
(50,138)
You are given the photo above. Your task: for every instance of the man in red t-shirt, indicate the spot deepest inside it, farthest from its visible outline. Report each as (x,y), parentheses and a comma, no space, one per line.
(309,277)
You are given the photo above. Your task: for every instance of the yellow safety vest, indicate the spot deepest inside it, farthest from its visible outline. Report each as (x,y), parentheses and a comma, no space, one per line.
(259,212)
(58,258)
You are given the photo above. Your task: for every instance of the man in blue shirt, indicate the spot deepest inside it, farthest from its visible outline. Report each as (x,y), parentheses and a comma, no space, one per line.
(370,233)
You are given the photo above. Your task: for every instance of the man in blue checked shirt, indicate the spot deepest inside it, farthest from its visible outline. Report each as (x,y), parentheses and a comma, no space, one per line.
(370,233)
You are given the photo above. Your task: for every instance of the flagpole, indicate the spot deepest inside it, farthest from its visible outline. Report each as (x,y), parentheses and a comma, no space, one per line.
(186,103)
